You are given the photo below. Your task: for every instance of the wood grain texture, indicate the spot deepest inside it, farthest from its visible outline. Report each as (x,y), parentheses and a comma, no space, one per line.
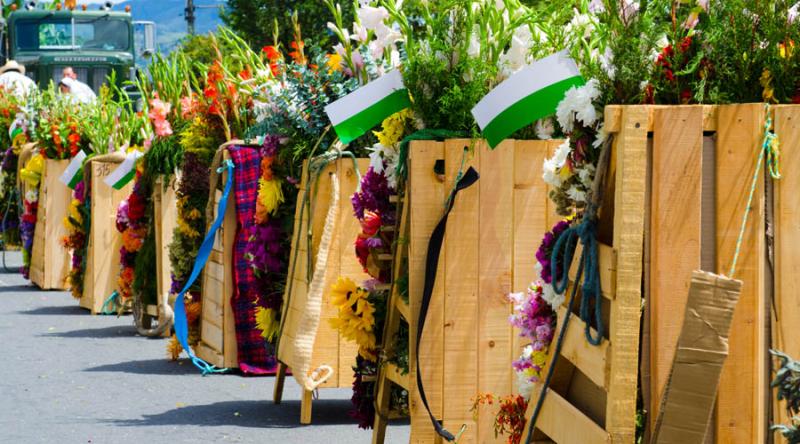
(426,194)
(786,313)
(461,319)
(102,270)
(675,232)
(629,201)
(741,410)
(50,262)
(496,253)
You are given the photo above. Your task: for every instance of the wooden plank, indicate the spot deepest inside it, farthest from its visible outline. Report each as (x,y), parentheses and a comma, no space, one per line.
(613,119)
(591,360)
(529,221)
(565,424)
(607,260)
(629,201)
(349,227)
(228,236)
(675,233)
(396,376)
(496,192)
(213,336)
(741,410)
(786,313)
(425,199)
(209,355)
(50,262)
(461,268)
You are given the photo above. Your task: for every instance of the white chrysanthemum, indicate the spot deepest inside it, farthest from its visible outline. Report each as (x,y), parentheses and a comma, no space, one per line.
(561,154)
(585,110)
(524,386)
(586,175)
(607,63)
(545,128)
(32,196)
(551,297)
(550,173)
(601,137)
(576,195)
(376,161)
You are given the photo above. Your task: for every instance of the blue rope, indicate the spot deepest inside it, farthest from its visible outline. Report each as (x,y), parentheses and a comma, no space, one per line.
(109,304)
(586,233)
(181,324)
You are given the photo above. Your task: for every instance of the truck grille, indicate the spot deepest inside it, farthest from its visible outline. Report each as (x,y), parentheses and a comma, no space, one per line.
(99,78)
(83,74)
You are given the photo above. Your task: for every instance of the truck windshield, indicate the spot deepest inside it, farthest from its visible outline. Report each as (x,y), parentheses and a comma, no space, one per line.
(96,34)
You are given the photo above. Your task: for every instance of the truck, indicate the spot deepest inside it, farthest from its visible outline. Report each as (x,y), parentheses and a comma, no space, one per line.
(95,42)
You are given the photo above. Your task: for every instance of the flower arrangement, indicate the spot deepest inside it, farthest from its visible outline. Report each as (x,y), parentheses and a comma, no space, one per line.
(77,221)
(31,174)
(536,321)
(510,418)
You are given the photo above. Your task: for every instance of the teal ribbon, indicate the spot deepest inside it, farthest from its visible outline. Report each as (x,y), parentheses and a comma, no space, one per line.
(181,324)
(110,303)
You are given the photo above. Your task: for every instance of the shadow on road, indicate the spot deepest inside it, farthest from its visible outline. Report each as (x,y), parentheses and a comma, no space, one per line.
(105,332)
(63,310)
(149,367)
(256,414)
(18,288)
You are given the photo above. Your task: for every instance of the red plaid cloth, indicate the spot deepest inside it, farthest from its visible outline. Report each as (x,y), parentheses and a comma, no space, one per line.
(256,356)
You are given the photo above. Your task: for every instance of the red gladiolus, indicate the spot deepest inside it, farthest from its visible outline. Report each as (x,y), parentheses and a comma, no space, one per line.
(371,223)
(272,53)
(686,43)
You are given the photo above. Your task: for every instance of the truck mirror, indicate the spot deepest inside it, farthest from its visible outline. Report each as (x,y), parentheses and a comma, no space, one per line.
(148,32)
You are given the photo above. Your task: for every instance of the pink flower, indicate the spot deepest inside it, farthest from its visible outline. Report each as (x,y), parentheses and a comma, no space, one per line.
(158,114)
(188,107)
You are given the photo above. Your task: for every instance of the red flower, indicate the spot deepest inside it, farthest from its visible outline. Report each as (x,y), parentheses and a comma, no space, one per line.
(136,207)
(211,92)
(362,251)
(272,53)
(686,43)
(670,76)
(686,96)
(370,224)
(245,74)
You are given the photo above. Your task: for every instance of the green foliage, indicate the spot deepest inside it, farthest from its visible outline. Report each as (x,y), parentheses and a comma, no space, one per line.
(255,20)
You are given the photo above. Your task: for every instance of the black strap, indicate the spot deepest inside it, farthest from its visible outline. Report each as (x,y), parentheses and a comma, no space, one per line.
(431,265)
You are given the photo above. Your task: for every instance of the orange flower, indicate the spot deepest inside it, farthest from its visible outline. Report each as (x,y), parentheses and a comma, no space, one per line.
(272,53)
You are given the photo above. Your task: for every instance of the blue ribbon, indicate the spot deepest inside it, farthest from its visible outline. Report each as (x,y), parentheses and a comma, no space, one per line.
(109,304)
(181,325)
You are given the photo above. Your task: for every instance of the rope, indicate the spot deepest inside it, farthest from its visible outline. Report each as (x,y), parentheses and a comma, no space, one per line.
(770,149)
(108,306)
(586,233)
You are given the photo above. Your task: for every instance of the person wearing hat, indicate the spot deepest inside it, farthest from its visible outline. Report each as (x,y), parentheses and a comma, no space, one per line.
(79,91)
(13,79)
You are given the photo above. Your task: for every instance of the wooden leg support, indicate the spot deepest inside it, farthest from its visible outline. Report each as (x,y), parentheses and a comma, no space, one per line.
(280,377)
(305,407)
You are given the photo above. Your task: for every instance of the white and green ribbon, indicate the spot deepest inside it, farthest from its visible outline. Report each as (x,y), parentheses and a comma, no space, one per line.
(74,172)
(527,96)
(125,172)
(358,112)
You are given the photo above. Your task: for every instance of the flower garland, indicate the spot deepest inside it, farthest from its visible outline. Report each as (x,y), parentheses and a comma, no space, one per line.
(356,319)
(510,418)
(536,320)
(543,264)
(9,209)
(266,248)
(132,223)
(77,222)
(31,174)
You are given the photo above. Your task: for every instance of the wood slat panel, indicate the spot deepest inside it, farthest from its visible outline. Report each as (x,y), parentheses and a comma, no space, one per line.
(50,262)
(608,268)
(593,361)
(426,197)
(786,316)
(675,232)
(530,222)
(741,402)
(565,424)
(461,269)
(613,120)
(496,190)
(629,209)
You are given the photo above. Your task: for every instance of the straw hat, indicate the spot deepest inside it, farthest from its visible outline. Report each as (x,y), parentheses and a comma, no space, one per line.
(12,65)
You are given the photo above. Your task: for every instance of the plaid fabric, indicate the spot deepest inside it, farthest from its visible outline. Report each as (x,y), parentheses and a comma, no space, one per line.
(255,354)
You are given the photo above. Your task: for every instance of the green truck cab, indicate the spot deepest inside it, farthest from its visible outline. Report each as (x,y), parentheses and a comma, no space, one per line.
(95,43)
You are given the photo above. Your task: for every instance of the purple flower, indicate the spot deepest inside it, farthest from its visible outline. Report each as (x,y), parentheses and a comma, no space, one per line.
(374,196)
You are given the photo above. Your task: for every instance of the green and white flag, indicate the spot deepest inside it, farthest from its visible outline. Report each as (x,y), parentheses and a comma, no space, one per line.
(74,172)
(527,96)
(358,112)
(125,172)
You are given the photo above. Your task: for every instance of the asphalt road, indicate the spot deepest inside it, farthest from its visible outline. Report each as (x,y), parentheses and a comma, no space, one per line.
(69,377)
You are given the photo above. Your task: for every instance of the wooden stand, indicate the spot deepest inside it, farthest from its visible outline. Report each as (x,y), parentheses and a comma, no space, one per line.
(493,233)
(102,254)
(51,262)
(329,347)
(217,344)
